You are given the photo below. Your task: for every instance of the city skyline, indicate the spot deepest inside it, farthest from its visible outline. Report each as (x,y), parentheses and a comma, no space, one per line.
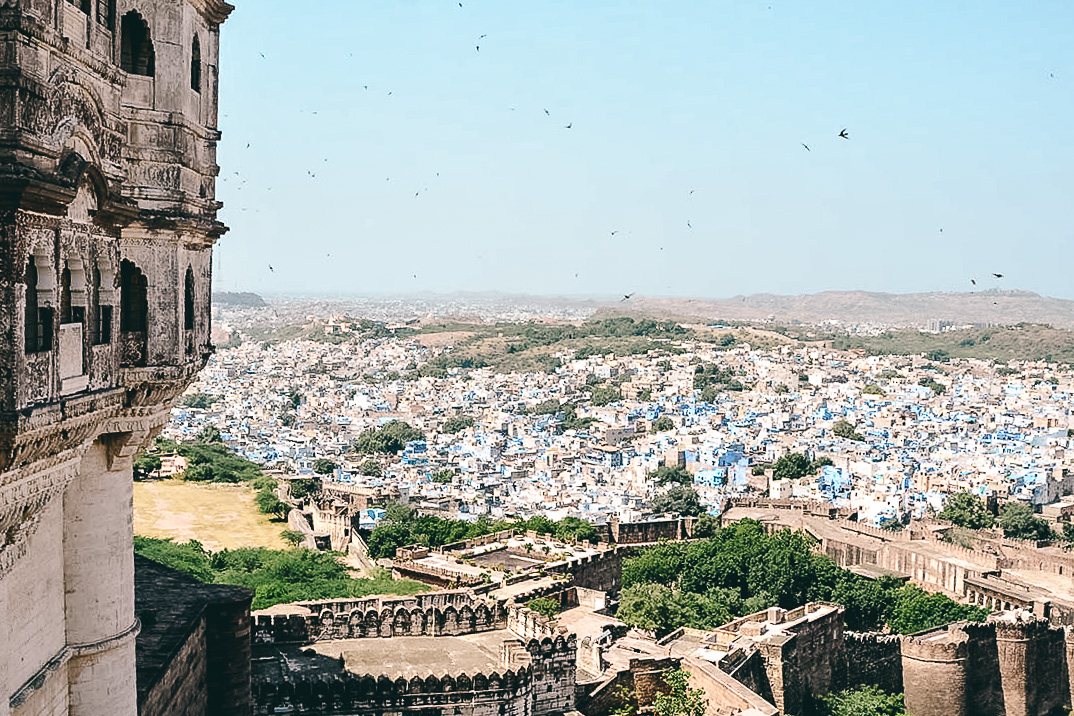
(956,166)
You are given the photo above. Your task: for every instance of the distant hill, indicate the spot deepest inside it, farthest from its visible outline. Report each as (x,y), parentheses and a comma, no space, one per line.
(909,309)
(238,300)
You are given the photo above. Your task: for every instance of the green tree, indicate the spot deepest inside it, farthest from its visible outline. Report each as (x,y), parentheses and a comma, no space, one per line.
(680,700)
(292,537)
(268,504)
(544,606)
(662,424)
(275,576)
(682,500)
(389,439)
(706,526)
(967,510)
(1018,521)
(370,468)
(665,475)
(324,466)
(604,395)
(792,466)
(303,488)
(873,389)
(457,423)
(387,538)
(865,701)
(913,610)
(843,429)
(203,401)
(931,383)
(145,464)
(444,477)
(209,434)
(199,472)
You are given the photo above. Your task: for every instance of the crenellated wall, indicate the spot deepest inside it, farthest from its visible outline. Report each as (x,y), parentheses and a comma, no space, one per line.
(442,614)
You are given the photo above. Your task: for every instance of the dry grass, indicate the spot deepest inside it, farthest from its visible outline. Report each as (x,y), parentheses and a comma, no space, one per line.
(218,516)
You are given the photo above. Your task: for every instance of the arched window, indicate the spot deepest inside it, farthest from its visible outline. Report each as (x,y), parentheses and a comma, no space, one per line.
(188,302)
(136,47)
(195,65)
(133,299)
(38,319)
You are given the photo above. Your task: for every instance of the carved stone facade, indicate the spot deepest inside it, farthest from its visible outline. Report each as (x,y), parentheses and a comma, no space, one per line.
(107,220)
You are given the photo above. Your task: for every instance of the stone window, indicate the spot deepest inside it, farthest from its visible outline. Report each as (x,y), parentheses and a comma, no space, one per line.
(38,318)
(195,65)
(102,330)
(133,299)
(188,302)
(72,293)
(136,47)
(106,13)
(84,5)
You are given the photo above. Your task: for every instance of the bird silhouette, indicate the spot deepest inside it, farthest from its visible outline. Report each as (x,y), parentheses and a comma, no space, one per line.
(806,147)
(482,37)
(843,134)
(998,275)
(973,281)
(568,126)
(627,297)
(477,47)
(548,113)
(614,233)
(691,192)
(271,269)
(689,225)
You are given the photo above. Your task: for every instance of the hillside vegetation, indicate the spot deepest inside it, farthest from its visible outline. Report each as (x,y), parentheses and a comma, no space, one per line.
(1026,341)
(275,576)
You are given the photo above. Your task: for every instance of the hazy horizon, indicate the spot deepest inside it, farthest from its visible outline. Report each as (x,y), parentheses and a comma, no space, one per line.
(401,158)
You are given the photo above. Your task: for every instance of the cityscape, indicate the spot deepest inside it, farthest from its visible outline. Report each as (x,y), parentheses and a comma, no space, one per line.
(450,358)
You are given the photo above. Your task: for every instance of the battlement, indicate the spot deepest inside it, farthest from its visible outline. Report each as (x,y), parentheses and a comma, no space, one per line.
(942,644)
(334,620)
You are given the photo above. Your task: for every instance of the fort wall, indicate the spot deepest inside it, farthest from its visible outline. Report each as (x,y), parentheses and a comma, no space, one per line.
(873,659)
(424,615)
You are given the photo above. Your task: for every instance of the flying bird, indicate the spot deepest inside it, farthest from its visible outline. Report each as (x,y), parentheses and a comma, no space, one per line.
(271,269)
(998,275)
(806,147)
(568,126)
(614,233)
(548,113)
(689,225)
(844,134)
(691,192)
(478,47)
(627,297)
(973,281)
(482,37)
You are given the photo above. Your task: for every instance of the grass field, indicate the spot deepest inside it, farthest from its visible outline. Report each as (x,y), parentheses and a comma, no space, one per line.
(218,516)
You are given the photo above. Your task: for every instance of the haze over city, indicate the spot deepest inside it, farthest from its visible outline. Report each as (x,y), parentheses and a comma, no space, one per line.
(398,147)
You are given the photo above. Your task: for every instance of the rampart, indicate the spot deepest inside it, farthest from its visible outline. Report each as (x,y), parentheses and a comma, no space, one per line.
(438,614)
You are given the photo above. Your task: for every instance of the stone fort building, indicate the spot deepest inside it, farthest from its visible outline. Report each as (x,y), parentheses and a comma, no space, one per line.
(108,216)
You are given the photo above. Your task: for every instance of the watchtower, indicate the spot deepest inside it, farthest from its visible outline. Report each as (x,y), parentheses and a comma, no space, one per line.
(107,220)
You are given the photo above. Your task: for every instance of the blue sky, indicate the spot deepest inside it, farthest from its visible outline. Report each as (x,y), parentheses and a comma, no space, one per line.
(960,160)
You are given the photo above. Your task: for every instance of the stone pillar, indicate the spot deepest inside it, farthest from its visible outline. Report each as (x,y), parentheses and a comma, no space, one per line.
(98,551)
(5,687)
